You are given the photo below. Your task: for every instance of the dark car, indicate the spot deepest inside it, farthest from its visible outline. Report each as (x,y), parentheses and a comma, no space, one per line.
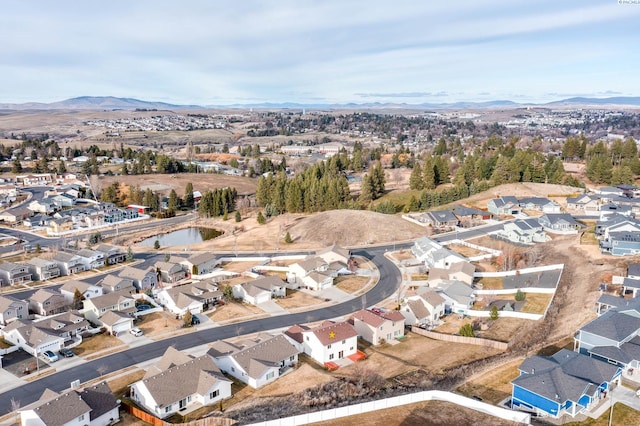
(195,320)
(67,353)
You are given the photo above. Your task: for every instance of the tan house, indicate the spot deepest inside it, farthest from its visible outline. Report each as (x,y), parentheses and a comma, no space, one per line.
(170,272)
(377,326)
(12,309)
(424,308)
(461,271)
(47,302)
(121,301)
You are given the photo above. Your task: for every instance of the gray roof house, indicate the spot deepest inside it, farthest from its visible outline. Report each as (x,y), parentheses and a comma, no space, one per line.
(194,297)
(440,219)
(92,406)
(12,309)
(201,263)
(46,302)
(14,273)
(96,307)
(565,383)
(559,222)
(260,290)
(170,272)
(178,383)
(458,296)
(68,263)
(142,278)
(68,290)
(505,205)
(113,283)
(42,269)
(524,231)
(255,363)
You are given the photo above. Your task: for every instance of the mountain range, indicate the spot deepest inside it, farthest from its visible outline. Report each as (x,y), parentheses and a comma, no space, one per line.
(115,103)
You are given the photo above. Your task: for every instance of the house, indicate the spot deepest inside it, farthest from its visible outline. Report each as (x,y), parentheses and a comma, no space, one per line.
(69,325)
(434,255)
(255,363)
(195,297)
(311,273)
(36,221)
(622,243)
(506,205)
(14,273)
(116,322)
(458,296)
(426,307)
(630,286)
(113,283)
(461,271)
(633,271)
(540,204)
(564,383)
(260,290)
(170,272)
(12,309)
(559,222)
(68,263)
(120,301)
(142,278)
(589,204)
(325,343)
(57,226)
(201,264)
(34,179)
(335,253)
(86,291)
(47,302)
(524,231)
(377,326)
(31,338)
(91,259)
(94,405)
(15,215)
(441,219)
(42,269)
(45,206)
(178,381)
(469,216)
(112,254)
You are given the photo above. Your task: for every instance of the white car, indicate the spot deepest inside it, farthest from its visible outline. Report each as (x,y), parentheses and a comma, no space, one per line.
(136,332)
(49,356)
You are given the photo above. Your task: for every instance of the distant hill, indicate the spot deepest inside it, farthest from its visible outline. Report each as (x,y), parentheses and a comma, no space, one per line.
(114,103)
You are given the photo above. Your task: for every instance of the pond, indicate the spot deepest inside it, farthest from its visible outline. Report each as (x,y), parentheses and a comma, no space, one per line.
(182,237)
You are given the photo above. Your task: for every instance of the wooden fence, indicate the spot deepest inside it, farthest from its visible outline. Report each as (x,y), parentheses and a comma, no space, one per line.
(502,346)
(155,421)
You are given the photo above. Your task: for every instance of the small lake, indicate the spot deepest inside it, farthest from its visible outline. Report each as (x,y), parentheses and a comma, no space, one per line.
(182,237)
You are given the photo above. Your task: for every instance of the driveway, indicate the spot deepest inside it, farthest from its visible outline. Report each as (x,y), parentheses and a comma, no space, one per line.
(272,308)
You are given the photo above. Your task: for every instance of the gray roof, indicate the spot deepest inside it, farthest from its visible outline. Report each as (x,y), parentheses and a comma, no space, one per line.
(443,216)
(613,325)
(41,263)
(99,398)
(631,283)
(6,301)
(44,294)
(134,273)
(554,218)
(543,279)
(72,285)
(110,299)
(200,258)
(633,269)
(418,308)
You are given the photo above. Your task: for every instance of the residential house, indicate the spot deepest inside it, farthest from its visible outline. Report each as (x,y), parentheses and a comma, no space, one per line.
(622,243)
(325,343)
(142,278)
(179,381)
(42,269)
(194,297)
(14,273)
(311,273)
(440,219)
(44,205)
(91,259)
(260,290)
(15,215)
(377,326)
(610,191)
(458,296)
(69,325)
(170,272)
(68,263)
(63,200)
(12,309)
(116,322)
(113,284)
(34,179)
(524,231)
(540,204)
(86,291)
(504,206)
(36,221)
(112,254)
(120,301)
(201,263)
(58,226)
(94,405)
(257,362)
(425,307)
(633,271)
(565,383)
(31,338)
(559,222)
(434,255)
(335,253)
(589,204)
(469,216)
(630,286)
(47,302)
(461,271)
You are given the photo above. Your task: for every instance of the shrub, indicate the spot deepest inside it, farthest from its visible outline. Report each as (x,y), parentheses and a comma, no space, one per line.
(520,295)
(466,331)
(287,238)
(493,313)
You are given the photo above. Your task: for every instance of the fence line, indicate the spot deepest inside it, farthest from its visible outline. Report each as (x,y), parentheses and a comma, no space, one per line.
(461,339)
(519,271)
(155,421)
(397,401)
(505,314)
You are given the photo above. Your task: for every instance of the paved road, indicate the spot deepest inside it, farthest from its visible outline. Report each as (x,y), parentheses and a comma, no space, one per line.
(389,281)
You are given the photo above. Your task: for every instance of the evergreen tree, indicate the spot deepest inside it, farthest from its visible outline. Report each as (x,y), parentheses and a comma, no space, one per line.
(287,238)
(238,217)
(428,174)
(415,180)
(16,166)
(261,219)
(61,167)
(172,203)
(366,190)
(188,196)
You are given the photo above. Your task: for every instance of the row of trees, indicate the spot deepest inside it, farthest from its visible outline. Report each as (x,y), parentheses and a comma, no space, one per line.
(218,202)
(615,165)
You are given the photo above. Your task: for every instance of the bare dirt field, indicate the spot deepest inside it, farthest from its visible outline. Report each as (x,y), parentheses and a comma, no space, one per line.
(432,413)
(201,182)
(159,323)
(494,385)
(351,284)
(298,299)
(233,311)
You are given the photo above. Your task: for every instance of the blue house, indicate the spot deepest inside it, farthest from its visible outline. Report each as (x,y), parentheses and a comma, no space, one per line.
(565,383)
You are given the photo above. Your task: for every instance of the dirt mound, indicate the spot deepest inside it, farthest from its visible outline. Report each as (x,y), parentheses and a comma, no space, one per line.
(354,227)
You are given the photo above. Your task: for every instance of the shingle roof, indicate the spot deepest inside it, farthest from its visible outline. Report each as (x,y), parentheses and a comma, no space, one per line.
(99,398)
(134,273)
(8,300)
(613,325)
(62,409)
(333,331)
(110,299)
(200,258)
(43,294)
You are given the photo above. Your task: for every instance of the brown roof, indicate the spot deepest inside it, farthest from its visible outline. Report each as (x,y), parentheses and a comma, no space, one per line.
(62,409)
(295,332)
(311,263)
(110,299)
(113,317)
(330,331)
(71,286)
(369,318)
(44,294)
(432,297)
(418,308)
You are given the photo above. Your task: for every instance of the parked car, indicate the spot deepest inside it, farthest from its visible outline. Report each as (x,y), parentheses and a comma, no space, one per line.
(136,332)
(65,352)
(49,356)
(195,320)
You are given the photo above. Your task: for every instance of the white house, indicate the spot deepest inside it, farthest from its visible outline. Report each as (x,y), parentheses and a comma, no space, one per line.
(325,343)
(377,326)
(12,309)
(194,297)
(260,290)
(311,273)
(87,290)
(426,307)
(96,307)
(434,255)
(178,381)
(92,406)
(255,363)
(91,259)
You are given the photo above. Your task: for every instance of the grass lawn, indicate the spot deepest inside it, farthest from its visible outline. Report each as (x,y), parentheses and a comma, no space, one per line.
(494,385)
(297,299)
(95,343)
(350,283)
(622,415)
(491,283)
(536,303)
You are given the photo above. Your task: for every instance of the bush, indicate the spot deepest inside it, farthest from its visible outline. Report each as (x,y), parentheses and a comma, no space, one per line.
(261,219)
(520,295)
(493,313)
(466,331)
(156,245)
(287,238)
(238,217)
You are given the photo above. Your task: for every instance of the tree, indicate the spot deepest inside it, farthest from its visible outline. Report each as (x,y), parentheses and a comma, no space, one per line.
(466,331)
(16,166)
(493,313)
(287,238)
(78,297)
(520,295)
(156,244)
(227,292)
(415,180)
(187,318)
(261,219)
(188,196)
(129,254)
(61,167)
(238,217)
(172,203)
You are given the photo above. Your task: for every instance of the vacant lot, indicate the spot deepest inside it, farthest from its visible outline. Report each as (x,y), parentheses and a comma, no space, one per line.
(536,303)
(234,312)
(201,182)
(494,385)
(490,283)
(159,323)
(96,343)
(351,284)
(464,250)
(504,329)
(238,267)
(298,299)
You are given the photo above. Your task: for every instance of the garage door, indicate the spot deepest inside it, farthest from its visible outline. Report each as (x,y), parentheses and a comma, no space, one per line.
(121,327)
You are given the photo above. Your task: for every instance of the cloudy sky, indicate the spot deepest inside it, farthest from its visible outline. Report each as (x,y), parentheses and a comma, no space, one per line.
(330,51)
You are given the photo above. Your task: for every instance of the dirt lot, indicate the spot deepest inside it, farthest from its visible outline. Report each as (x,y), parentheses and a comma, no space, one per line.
(464,250)
(233,312)
(494,385)
(420,414)
(238,267)
(96,343)
(159,323)
(351,284)
(298,299)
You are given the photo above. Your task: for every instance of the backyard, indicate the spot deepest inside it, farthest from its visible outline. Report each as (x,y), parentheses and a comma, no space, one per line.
(494,385)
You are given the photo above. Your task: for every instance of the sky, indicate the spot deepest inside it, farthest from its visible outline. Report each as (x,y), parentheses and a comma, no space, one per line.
(207,52)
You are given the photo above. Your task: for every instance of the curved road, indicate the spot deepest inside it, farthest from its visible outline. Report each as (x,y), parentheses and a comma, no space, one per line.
(389,282)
